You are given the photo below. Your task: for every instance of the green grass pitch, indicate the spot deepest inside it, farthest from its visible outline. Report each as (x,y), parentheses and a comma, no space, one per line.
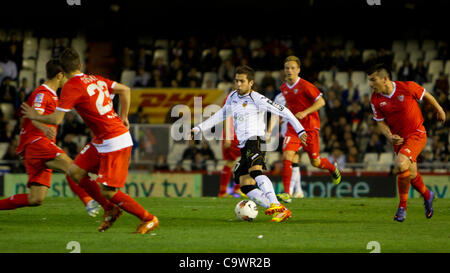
(208,225)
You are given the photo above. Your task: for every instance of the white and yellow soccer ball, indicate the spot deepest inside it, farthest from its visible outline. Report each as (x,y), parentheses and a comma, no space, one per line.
(246,210)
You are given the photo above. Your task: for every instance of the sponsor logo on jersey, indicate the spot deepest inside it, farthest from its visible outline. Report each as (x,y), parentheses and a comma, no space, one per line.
(39,98)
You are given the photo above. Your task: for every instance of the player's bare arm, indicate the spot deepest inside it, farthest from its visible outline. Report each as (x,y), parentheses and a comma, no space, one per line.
(438,109)
(54,118)
(319,103)
(384,128)
(125,98)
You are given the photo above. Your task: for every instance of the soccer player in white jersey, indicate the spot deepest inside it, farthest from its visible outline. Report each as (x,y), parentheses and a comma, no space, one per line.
(248,108)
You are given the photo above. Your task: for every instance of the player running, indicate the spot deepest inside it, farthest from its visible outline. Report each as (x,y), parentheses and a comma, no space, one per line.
(304,100)
(248,109)
(37,148)
(108,154)
(295,186)
(395,108)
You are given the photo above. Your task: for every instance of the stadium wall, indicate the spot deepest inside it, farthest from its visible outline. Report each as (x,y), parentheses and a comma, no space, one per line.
(144,184)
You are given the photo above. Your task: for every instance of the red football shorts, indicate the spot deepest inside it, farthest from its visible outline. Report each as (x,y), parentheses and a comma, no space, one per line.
(232,152)
(291,142)
(36,154)
(412,146)
(111,168)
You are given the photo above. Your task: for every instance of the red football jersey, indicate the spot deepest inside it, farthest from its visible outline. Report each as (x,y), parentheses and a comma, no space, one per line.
(90,96)
(300,96)
(44,100)
(400,110)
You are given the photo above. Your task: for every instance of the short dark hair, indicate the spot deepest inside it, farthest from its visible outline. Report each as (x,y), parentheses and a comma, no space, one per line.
(380,68)
(70,60)
(52,68)
(247,70)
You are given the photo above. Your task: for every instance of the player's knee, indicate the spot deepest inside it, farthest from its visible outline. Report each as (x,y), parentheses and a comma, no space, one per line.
(108,192)
(315,162)
(402,165)
(289,155)
(75,174)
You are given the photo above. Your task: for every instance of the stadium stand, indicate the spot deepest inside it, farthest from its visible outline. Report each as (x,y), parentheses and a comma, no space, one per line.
(163,59)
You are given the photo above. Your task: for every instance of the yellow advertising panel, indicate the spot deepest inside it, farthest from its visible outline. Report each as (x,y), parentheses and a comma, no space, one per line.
(156,102)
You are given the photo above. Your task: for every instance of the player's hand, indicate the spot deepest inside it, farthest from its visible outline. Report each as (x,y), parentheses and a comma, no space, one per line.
(267,136)
(303,137)
(194,132)
(396,140)
(28,111)
(441,115)
(301,115)
(126,123)
(50,132)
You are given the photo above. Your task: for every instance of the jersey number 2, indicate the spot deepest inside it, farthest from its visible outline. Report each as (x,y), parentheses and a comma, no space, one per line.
(102,89)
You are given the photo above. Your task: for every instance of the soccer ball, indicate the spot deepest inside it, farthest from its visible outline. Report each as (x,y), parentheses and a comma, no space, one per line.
(246,210)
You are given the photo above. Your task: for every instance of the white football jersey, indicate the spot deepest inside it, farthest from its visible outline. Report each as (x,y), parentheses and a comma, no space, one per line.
(282,101)
(249,113)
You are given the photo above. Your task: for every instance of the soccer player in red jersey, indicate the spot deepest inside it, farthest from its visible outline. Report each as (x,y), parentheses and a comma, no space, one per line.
(108,154)
(399,118)
(304,100)
(37,147)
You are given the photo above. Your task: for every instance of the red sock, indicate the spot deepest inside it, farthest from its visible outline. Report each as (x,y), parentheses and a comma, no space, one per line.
(14,202)
(84,197)
(130,205)
(93,189)
(225,176)
(403,181)
(325,164)
(418,185)
(286,174)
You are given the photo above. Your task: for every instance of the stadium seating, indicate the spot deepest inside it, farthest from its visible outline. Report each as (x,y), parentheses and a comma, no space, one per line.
(412,45)
(367,53)
(29,64)
(428,45)
(28,74)
(7,109)
(385,161)
(398,46)
(271,157)
(430,55)
(127,77)
(342,78)
(447,68)
(436,66)
(259,75)
(368,159)
(414,56)
(327,77)
(161,53)
(358,78)
(225,54)
(3,148)
(211,77)
(225,86)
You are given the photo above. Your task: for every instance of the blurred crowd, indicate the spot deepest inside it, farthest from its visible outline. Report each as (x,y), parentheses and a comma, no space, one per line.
(348,130)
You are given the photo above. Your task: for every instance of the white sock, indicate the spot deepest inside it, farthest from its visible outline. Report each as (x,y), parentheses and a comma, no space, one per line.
(266,187)
(257,196)
(293,181)
(298,181)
